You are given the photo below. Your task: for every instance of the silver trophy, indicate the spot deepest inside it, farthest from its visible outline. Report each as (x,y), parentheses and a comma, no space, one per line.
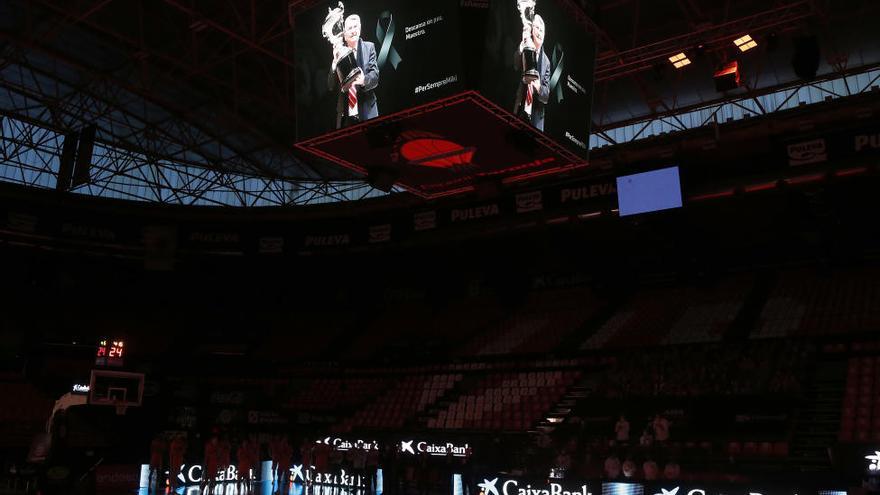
(346,66)
(526,10)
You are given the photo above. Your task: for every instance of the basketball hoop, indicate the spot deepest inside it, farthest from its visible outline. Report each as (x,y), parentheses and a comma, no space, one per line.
(117,389)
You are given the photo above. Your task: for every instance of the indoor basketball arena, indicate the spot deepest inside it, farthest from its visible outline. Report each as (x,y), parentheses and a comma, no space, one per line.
(445,247)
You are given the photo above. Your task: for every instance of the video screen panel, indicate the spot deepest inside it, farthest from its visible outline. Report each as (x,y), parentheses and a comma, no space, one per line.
(620,488)
(405,53)
(649,191)
(553,89)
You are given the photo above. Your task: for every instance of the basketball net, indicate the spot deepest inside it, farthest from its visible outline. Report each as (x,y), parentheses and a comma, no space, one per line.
(120,407)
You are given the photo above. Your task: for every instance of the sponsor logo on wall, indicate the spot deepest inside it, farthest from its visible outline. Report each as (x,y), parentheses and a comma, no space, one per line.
(867,142)
(271,245)
(474,213)
(414,447)
(425,221)
(344,445)
(22,222)
(807,152)
(192,474)
(116,476)
(530,201)
(215,237)
(88,231)
(500,486)
(327,240)
(266,418)
(698,491)
(301,474)
(571,194)
(380,233)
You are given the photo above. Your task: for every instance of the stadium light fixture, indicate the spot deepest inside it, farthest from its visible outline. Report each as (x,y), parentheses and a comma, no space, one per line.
(745,43)
(680,60)
(728,77)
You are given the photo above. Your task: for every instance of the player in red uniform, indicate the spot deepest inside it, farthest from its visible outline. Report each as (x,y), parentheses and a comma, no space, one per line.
(212,463)
(306,451)
(176,454)
(273,455)
(255,448)
(246,463)
(321,456)
(224,459)
(284,454)
(157,455)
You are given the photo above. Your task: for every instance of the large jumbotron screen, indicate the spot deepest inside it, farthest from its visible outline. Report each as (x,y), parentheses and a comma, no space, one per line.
(409,54)
(440,93)
(564,90)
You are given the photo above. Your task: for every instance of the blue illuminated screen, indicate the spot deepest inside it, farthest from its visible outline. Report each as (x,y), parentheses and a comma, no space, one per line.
(649,191)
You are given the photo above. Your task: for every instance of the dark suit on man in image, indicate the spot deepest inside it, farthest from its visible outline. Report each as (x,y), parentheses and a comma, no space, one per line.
(539,100)
(368,107)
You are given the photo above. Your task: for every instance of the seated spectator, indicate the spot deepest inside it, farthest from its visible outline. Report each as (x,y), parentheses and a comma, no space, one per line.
(647,438)
(563,462)
(543,441)
(661,428)
(612,467)
(650,470)
(621,430)
(629,469)
(671,471)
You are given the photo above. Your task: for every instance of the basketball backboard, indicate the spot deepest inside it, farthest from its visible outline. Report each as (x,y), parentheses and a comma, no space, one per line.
(116,388)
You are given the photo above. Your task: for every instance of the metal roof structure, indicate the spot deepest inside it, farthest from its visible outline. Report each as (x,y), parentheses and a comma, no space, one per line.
(193,102)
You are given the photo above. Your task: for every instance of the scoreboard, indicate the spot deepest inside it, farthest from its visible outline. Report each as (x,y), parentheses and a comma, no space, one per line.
(110,353)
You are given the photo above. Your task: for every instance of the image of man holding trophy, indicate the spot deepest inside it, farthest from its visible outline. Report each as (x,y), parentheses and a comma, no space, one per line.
(354,74)
(534,91)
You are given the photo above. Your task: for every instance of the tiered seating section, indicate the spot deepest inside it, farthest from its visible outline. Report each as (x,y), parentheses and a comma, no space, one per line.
(398,320)
(409,397)
(302,335)
(416,326)
(545,319)
(674,315)
(860,414)
(505,401)
(801,302)
(330,394)
(24,413)
(808,302)
(710,312)
(752,368)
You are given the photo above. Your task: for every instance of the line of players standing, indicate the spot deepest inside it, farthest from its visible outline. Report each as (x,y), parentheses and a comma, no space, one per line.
(217,458)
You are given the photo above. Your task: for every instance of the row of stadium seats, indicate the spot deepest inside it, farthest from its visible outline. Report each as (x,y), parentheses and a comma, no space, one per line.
(22,401)
(710,369)
(329,394)
(673,315)
(397,396)
(24,413)
(805,302)
(540,325)
(800,302)
(860,412)
(505,401)
(407,398)
(486,366)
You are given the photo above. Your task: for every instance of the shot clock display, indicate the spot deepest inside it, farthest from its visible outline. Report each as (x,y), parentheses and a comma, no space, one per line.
(110,353)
